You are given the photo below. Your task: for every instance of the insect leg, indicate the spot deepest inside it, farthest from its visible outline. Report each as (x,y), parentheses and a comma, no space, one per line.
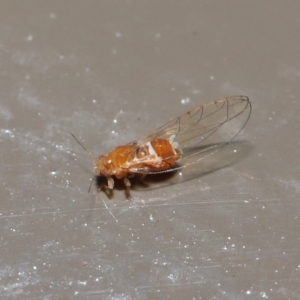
(110,183)
(127,185)
(108,189)
(141,179)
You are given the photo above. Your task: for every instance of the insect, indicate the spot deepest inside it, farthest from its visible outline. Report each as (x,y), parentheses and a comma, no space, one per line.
(186,140)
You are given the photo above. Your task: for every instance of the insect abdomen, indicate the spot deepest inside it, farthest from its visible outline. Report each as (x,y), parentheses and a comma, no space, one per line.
(166,152)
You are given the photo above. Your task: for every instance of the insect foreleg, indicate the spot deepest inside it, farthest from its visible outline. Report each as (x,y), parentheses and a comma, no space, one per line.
(127,185)
(108,189)
(110,183)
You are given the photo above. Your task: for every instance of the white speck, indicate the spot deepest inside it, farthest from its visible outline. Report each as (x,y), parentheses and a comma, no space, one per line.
(171,277)
(115,121)
(94,101)
(185,101)
(263,294)
(9,132)
(118,34)
(212,77)
(234,151)
(248,292)
(29,38)
(270,119)
(58,146)
(34,267)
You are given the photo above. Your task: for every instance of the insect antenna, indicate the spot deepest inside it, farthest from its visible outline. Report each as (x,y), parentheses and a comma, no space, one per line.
(76,139)
(89,154)
(91,183)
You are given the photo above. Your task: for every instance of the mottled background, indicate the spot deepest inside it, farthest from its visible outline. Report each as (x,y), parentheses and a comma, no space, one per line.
(110,71)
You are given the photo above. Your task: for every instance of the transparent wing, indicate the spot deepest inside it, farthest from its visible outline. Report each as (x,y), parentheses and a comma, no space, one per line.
(204,130)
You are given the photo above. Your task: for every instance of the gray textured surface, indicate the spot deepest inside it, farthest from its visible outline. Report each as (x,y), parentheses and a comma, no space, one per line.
(76,67)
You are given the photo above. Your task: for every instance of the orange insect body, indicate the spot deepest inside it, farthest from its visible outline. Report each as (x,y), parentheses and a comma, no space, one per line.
(157,155)
(193,136)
